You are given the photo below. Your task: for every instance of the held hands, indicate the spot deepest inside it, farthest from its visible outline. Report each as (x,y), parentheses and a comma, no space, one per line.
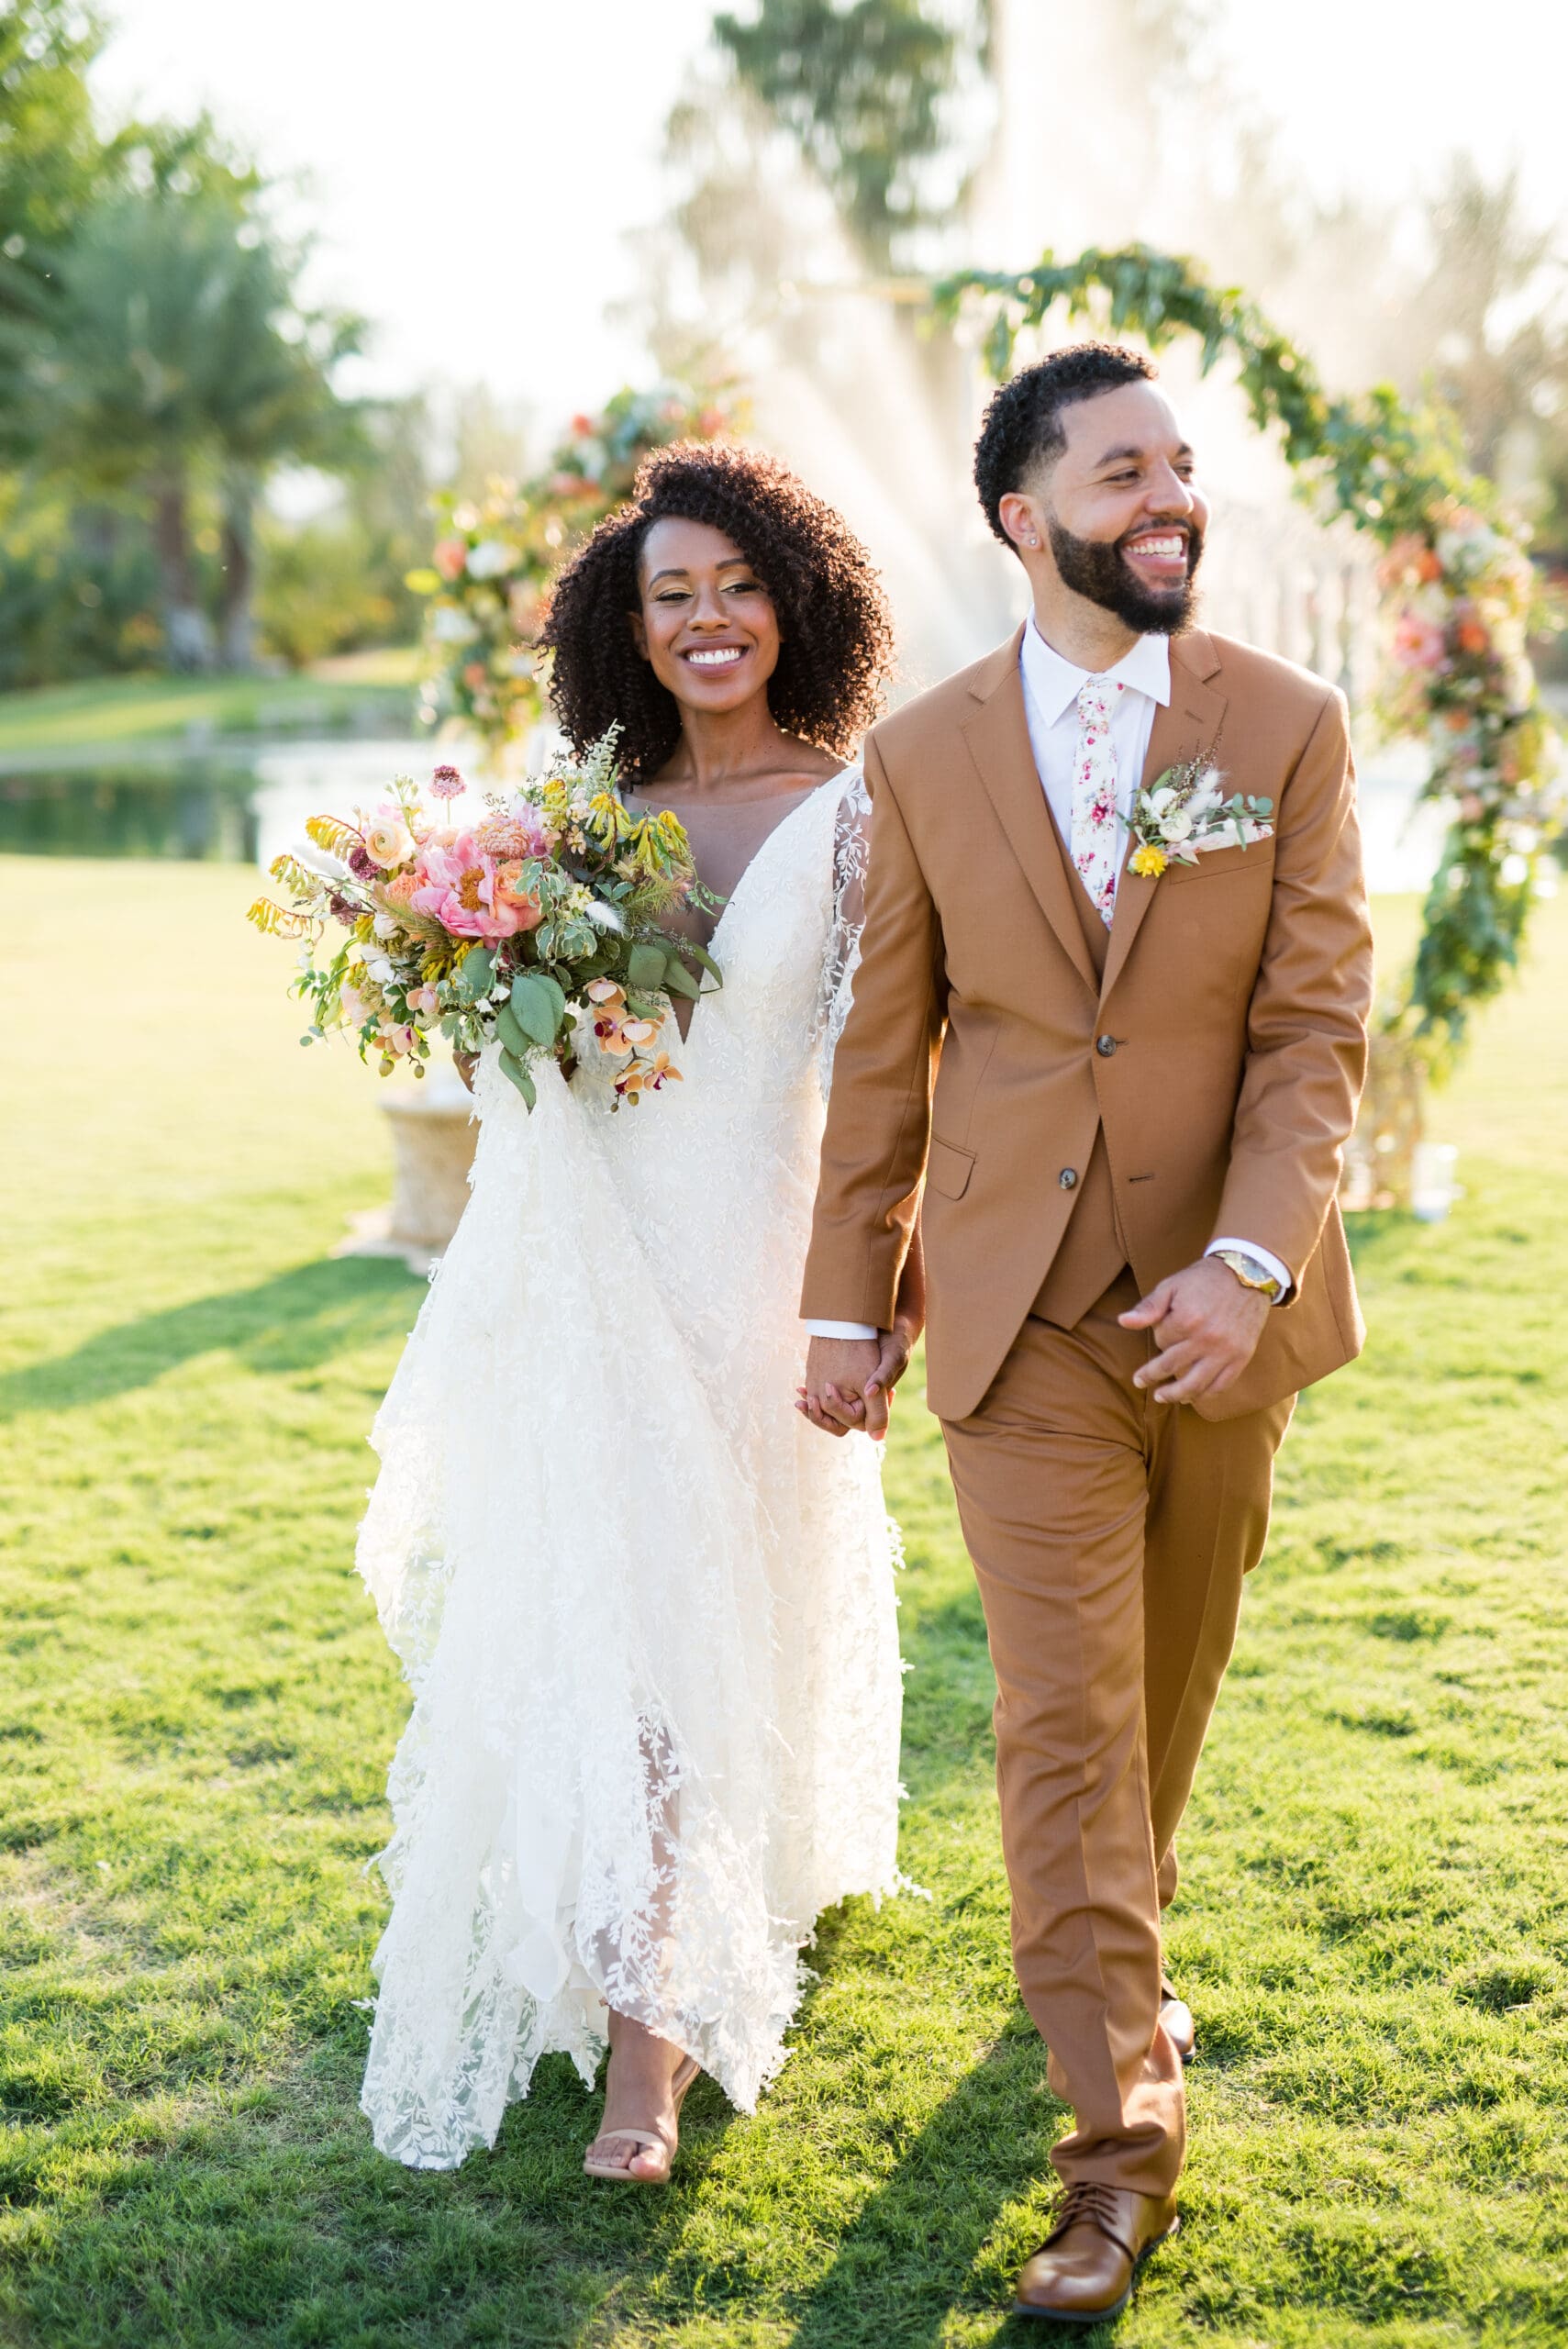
(849,1382)
(1207,1326)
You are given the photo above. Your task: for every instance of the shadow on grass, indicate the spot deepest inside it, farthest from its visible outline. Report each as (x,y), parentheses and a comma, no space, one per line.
(294,1322)
(918,2247)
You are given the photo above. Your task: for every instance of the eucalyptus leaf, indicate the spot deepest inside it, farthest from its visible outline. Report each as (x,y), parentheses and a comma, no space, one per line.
(478,969)
(512,1067)
(535,1005)
(700,955)
(679,980)
(645,967)
(509,1029)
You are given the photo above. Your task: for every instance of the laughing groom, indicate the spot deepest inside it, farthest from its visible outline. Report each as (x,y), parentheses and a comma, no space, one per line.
(1118,1036)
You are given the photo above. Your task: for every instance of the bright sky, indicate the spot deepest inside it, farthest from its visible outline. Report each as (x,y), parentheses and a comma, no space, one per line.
(475,167)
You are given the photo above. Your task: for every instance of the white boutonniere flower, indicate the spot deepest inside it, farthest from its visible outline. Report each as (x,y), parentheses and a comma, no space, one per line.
(1185,811)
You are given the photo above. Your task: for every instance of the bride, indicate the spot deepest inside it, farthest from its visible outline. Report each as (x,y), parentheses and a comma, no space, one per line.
(647,1615)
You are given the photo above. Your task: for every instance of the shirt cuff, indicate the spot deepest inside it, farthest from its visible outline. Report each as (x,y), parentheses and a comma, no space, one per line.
(1270,1263)
(842,1330)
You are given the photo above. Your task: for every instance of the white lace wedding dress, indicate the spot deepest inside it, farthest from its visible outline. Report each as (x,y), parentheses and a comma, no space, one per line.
(647,1612)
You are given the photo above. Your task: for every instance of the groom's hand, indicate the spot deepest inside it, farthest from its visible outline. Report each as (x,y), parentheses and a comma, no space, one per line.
(1207,1326)
(839,1371)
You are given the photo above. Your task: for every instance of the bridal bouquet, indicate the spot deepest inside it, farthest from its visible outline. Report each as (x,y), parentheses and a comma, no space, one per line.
(543,916)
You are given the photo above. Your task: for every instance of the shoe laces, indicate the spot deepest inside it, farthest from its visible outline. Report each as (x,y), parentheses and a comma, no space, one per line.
(1087,2202)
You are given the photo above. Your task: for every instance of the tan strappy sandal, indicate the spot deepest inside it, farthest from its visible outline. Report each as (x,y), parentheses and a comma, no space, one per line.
(642,2140)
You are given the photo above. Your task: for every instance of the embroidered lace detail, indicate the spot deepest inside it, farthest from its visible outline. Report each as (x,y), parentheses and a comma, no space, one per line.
(646,1613)
(851,852)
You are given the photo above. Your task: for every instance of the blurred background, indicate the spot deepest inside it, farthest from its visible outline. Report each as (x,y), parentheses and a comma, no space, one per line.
(270,282)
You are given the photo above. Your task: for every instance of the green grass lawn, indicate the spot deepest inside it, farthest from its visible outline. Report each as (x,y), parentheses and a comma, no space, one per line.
(104,712)
(197,1709)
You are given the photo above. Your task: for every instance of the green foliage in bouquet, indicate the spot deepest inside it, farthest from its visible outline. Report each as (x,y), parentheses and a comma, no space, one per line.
(1460,593)
(493,562)
(535,928)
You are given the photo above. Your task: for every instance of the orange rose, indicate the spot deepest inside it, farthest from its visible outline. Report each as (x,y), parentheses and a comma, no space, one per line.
(522,901)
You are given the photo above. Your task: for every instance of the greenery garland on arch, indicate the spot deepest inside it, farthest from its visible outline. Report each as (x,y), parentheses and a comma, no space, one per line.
(1459,588)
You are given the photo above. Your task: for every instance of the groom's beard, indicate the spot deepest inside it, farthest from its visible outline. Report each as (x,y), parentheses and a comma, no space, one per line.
(1098,569)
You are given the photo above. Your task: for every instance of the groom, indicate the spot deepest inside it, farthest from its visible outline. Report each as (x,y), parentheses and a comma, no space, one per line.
(1125,1092)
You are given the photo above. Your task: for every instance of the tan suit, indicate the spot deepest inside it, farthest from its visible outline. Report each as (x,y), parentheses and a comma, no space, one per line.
(1087,1109)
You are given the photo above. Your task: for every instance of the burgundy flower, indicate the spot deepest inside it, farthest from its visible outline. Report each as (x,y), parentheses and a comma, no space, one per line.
(359,864)
(446,784)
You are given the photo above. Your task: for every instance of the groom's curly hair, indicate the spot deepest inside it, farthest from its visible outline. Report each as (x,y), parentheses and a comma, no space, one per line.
(1023,422)
(837,647)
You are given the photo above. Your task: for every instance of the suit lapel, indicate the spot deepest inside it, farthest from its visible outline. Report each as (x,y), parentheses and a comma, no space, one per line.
(1185,726)
(998,738)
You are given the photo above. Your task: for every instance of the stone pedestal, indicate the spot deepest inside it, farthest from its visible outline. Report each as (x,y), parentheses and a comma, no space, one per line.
(1380,1157)
(433,1141)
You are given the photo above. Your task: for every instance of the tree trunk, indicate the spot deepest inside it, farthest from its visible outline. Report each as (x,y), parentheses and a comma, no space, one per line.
(187,628)
(236,619)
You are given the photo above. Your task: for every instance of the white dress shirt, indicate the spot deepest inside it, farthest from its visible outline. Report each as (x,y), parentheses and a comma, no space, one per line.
(1052,685)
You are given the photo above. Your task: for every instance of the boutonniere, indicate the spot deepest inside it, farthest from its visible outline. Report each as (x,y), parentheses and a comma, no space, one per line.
(1186,810)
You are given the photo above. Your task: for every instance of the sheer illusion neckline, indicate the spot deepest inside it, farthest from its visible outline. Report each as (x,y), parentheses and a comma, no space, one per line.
(765,844)
(809,800)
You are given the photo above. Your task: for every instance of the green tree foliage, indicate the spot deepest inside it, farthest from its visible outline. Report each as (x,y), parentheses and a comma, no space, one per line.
(866,91)
(51,162)
(178,353)
(338,583)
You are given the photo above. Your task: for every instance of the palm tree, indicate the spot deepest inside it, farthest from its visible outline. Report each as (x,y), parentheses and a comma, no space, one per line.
(179,355)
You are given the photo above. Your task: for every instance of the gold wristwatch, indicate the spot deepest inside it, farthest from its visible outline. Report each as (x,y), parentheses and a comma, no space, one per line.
(1250,1273)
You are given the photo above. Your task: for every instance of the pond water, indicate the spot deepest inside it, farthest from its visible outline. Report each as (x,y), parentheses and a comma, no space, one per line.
(244,805)
(240,804)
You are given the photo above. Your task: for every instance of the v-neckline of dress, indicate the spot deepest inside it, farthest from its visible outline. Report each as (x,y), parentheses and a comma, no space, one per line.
(752,862)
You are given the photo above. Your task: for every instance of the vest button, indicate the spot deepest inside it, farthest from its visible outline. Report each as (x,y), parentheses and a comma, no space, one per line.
(1104,1046)
(1068,1178)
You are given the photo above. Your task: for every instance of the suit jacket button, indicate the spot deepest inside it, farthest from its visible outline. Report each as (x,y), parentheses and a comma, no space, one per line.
(1104,1046)
(1068,1178)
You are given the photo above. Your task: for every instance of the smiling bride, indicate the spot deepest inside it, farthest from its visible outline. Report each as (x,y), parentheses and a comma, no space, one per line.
(647,1615)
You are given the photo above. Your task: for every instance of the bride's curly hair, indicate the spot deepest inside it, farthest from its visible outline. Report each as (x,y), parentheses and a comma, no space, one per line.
(838,640)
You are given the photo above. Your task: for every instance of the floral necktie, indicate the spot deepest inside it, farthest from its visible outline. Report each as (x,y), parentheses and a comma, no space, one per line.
(1094,795)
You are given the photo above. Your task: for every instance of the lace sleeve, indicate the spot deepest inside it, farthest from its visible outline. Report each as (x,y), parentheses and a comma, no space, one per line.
(852,847)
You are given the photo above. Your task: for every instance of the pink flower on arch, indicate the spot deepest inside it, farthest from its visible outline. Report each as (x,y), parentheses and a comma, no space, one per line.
(457,886)
(1418,642)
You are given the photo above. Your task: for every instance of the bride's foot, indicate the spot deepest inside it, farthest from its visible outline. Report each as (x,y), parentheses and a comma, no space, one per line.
(644,2089)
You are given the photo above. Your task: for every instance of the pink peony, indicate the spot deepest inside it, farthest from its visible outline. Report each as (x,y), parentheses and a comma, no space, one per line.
(458,887)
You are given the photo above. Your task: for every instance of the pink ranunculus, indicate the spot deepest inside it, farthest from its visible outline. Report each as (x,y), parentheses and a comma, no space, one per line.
(458,887)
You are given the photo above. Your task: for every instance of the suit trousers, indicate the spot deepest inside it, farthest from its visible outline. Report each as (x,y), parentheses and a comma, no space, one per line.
(1110,1535)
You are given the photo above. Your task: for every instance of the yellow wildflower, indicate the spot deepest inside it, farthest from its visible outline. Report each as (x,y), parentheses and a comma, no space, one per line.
(1148,860)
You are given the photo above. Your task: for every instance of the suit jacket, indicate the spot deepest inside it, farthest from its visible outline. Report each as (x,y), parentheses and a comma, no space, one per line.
(1222,1053)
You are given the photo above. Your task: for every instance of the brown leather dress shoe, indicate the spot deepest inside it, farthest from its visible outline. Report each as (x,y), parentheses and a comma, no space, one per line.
(1084,2270)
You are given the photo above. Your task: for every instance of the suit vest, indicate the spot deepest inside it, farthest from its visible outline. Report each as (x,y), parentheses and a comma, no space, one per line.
(1091,1252)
